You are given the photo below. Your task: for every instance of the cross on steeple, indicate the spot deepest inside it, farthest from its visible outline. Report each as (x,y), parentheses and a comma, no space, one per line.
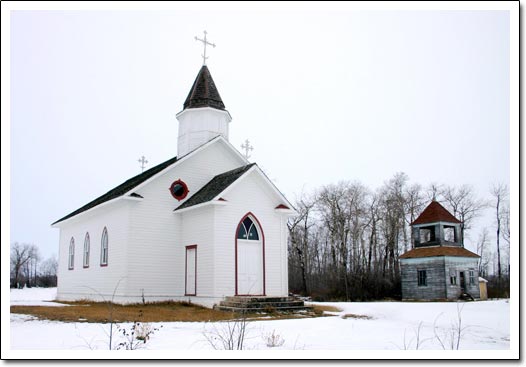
(205,42)
(247,148)
(143,162)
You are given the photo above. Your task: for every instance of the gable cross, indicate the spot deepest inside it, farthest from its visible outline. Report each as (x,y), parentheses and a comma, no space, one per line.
(143,162)
(247,148)
(205,42)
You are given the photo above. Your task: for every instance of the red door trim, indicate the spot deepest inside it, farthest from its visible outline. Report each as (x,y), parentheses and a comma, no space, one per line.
(190,247)
(252,216)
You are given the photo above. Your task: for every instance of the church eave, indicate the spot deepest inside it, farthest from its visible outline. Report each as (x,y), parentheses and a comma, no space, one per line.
(197,206)
(68,219)
(180,113)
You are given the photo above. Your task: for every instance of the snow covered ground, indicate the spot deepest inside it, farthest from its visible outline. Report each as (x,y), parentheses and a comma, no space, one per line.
(376,326)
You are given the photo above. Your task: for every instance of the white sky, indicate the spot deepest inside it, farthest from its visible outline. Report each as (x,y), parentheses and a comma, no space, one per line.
(324,94)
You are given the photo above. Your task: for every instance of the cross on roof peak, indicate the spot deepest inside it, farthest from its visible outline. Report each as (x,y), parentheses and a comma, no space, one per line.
(143,162)
(247,148)
(205,42)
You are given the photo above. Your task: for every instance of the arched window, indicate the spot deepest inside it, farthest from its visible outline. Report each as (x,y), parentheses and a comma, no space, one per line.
(86,251)
(71,257)
(104,248)
(248,230)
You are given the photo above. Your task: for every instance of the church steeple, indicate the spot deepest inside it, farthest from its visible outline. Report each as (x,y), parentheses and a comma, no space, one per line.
(204,115)
(204,92)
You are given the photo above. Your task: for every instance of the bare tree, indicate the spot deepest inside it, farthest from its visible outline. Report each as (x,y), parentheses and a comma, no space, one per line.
(463,204)
(334,210)
(48,272)
(394,229)
(482,251)
(414,203)
(299,236)
(20,256)
(31,266)
(506,230)
(500,194)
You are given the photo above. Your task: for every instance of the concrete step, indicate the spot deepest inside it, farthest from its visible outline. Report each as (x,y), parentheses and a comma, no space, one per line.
(265,309)
(262,304)
(253,299)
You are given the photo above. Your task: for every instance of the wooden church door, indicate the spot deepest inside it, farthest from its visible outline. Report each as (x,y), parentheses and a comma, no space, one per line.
(190,270)
(250,262)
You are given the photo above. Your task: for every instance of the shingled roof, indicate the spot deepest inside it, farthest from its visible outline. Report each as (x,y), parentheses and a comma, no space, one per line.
(122,188)
(204,92)
(435,213)
(438,251)
(215,186)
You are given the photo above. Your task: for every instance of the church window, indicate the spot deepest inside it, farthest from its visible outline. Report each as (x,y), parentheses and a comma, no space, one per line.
(247,230)
(179,190)
(71,258)
(86,251)
(104,248)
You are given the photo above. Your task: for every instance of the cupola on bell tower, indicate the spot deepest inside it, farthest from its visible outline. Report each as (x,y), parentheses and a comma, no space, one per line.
(204,115)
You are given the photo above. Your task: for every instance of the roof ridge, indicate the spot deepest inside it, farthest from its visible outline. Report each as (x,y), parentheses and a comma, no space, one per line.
(121,189)
(215,186)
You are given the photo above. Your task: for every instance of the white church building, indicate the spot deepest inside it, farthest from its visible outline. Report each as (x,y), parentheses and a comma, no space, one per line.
(200,226)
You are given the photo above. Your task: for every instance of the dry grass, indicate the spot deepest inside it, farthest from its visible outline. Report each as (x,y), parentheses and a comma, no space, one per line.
(86,311)
(326,308)
(320,310)
(99,312)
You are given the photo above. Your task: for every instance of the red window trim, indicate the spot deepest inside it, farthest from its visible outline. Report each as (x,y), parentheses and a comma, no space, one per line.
(254,218)
(190,247)
(185,188)
(84,251)
(107,248)
(71,266)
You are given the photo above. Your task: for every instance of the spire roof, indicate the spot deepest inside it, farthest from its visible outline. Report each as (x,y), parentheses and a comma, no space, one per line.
(435,213)
(204,92)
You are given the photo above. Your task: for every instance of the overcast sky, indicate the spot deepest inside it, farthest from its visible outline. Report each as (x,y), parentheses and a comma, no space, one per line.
(323,95)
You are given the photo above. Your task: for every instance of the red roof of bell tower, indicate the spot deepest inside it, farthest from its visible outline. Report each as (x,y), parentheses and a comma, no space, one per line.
(435,213)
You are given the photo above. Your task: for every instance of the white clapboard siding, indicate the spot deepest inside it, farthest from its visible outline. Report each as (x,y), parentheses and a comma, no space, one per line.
(156,260)
(253,195)
(197,229)
(147,240)
(96,281)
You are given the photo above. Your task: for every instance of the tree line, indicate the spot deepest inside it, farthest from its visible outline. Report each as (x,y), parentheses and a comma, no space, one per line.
(347,239)
(28,269)
(346,242)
